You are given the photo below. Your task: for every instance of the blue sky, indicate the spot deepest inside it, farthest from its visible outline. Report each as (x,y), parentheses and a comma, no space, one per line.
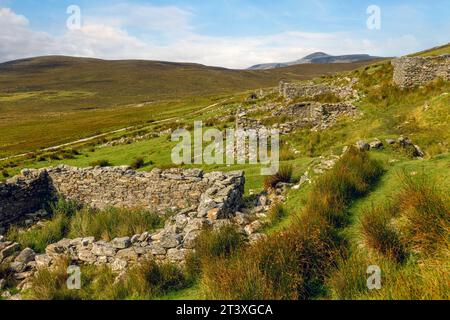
(230,33)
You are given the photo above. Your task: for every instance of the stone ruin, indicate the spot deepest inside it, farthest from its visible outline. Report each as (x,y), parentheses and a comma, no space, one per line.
(411,72)
(160,191)
(195,200)
(310,90)
(314,115)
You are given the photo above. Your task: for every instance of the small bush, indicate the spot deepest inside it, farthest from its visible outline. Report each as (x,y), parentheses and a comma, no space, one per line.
(101,163)
(54,156)
(138,163)
(5,173)
(284,175)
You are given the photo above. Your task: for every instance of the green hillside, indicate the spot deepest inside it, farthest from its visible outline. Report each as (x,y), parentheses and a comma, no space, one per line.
(51,100)
(387,207)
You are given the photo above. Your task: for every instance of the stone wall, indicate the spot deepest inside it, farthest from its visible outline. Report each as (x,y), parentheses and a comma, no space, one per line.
(22,195)
(160,191)
(410,72)
(300,90)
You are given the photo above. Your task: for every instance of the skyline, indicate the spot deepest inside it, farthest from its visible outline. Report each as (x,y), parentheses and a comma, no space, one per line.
(225,33)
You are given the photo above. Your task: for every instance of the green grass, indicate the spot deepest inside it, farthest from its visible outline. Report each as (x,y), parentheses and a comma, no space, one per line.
(145,281)
(70,221)
(408,239)
(72,98)
(293,264)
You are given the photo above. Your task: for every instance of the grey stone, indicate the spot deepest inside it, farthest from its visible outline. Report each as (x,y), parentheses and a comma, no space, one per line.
(121,243)
(102,248)
(362,145)
(391,141)
(42,261)
(8,251)
(169,241)
(377,144)
(26,256)
(176,255)
(18,267)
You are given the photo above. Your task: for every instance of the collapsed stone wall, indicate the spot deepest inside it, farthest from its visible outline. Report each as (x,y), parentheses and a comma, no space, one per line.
(300,90)
(410,72)
(159,190)
(23,194)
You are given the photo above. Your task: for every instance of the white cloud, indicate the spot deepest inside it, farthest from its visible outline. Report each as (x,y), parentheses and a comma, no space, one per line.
(106,37)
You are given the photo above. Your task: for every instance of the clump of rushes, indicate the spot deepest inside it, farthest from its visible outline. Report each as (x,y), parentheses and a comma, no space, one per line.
(211,244)
(284,174)
(276,213)
(295,263)
(380,234)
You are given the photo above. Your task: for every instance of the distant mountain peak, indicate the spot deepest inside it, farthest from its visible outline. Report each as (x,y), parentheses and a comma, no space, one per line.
(316,58)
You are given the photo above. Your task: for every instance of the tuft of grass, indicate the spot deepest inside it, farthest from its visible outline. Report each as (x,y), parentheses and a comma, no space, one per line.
(138,163)
(212,244)
(112,223)
(425,214)
(39,238)
(101,163)
(277,212)
(284,175)
(380,234)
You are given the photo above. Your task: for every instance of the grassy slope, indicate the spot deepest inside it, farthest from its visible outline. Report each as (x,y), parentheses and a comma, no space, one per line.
(50,100)
(421,114)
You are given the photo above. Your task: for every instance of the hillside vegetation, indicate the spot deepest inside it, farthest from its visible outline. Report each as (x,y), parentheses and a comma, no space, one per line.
(385,207)
(47,101)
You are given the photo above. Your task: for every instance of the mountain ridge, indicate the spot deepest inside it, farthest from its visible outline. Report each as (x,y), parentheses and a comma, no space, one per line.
(316,58)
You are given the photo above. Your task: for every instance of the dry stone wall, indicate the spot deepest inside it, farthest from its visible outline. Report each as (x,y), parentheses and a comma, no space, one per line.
(22,195)
(300,90)
(160,191)
(410,72)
